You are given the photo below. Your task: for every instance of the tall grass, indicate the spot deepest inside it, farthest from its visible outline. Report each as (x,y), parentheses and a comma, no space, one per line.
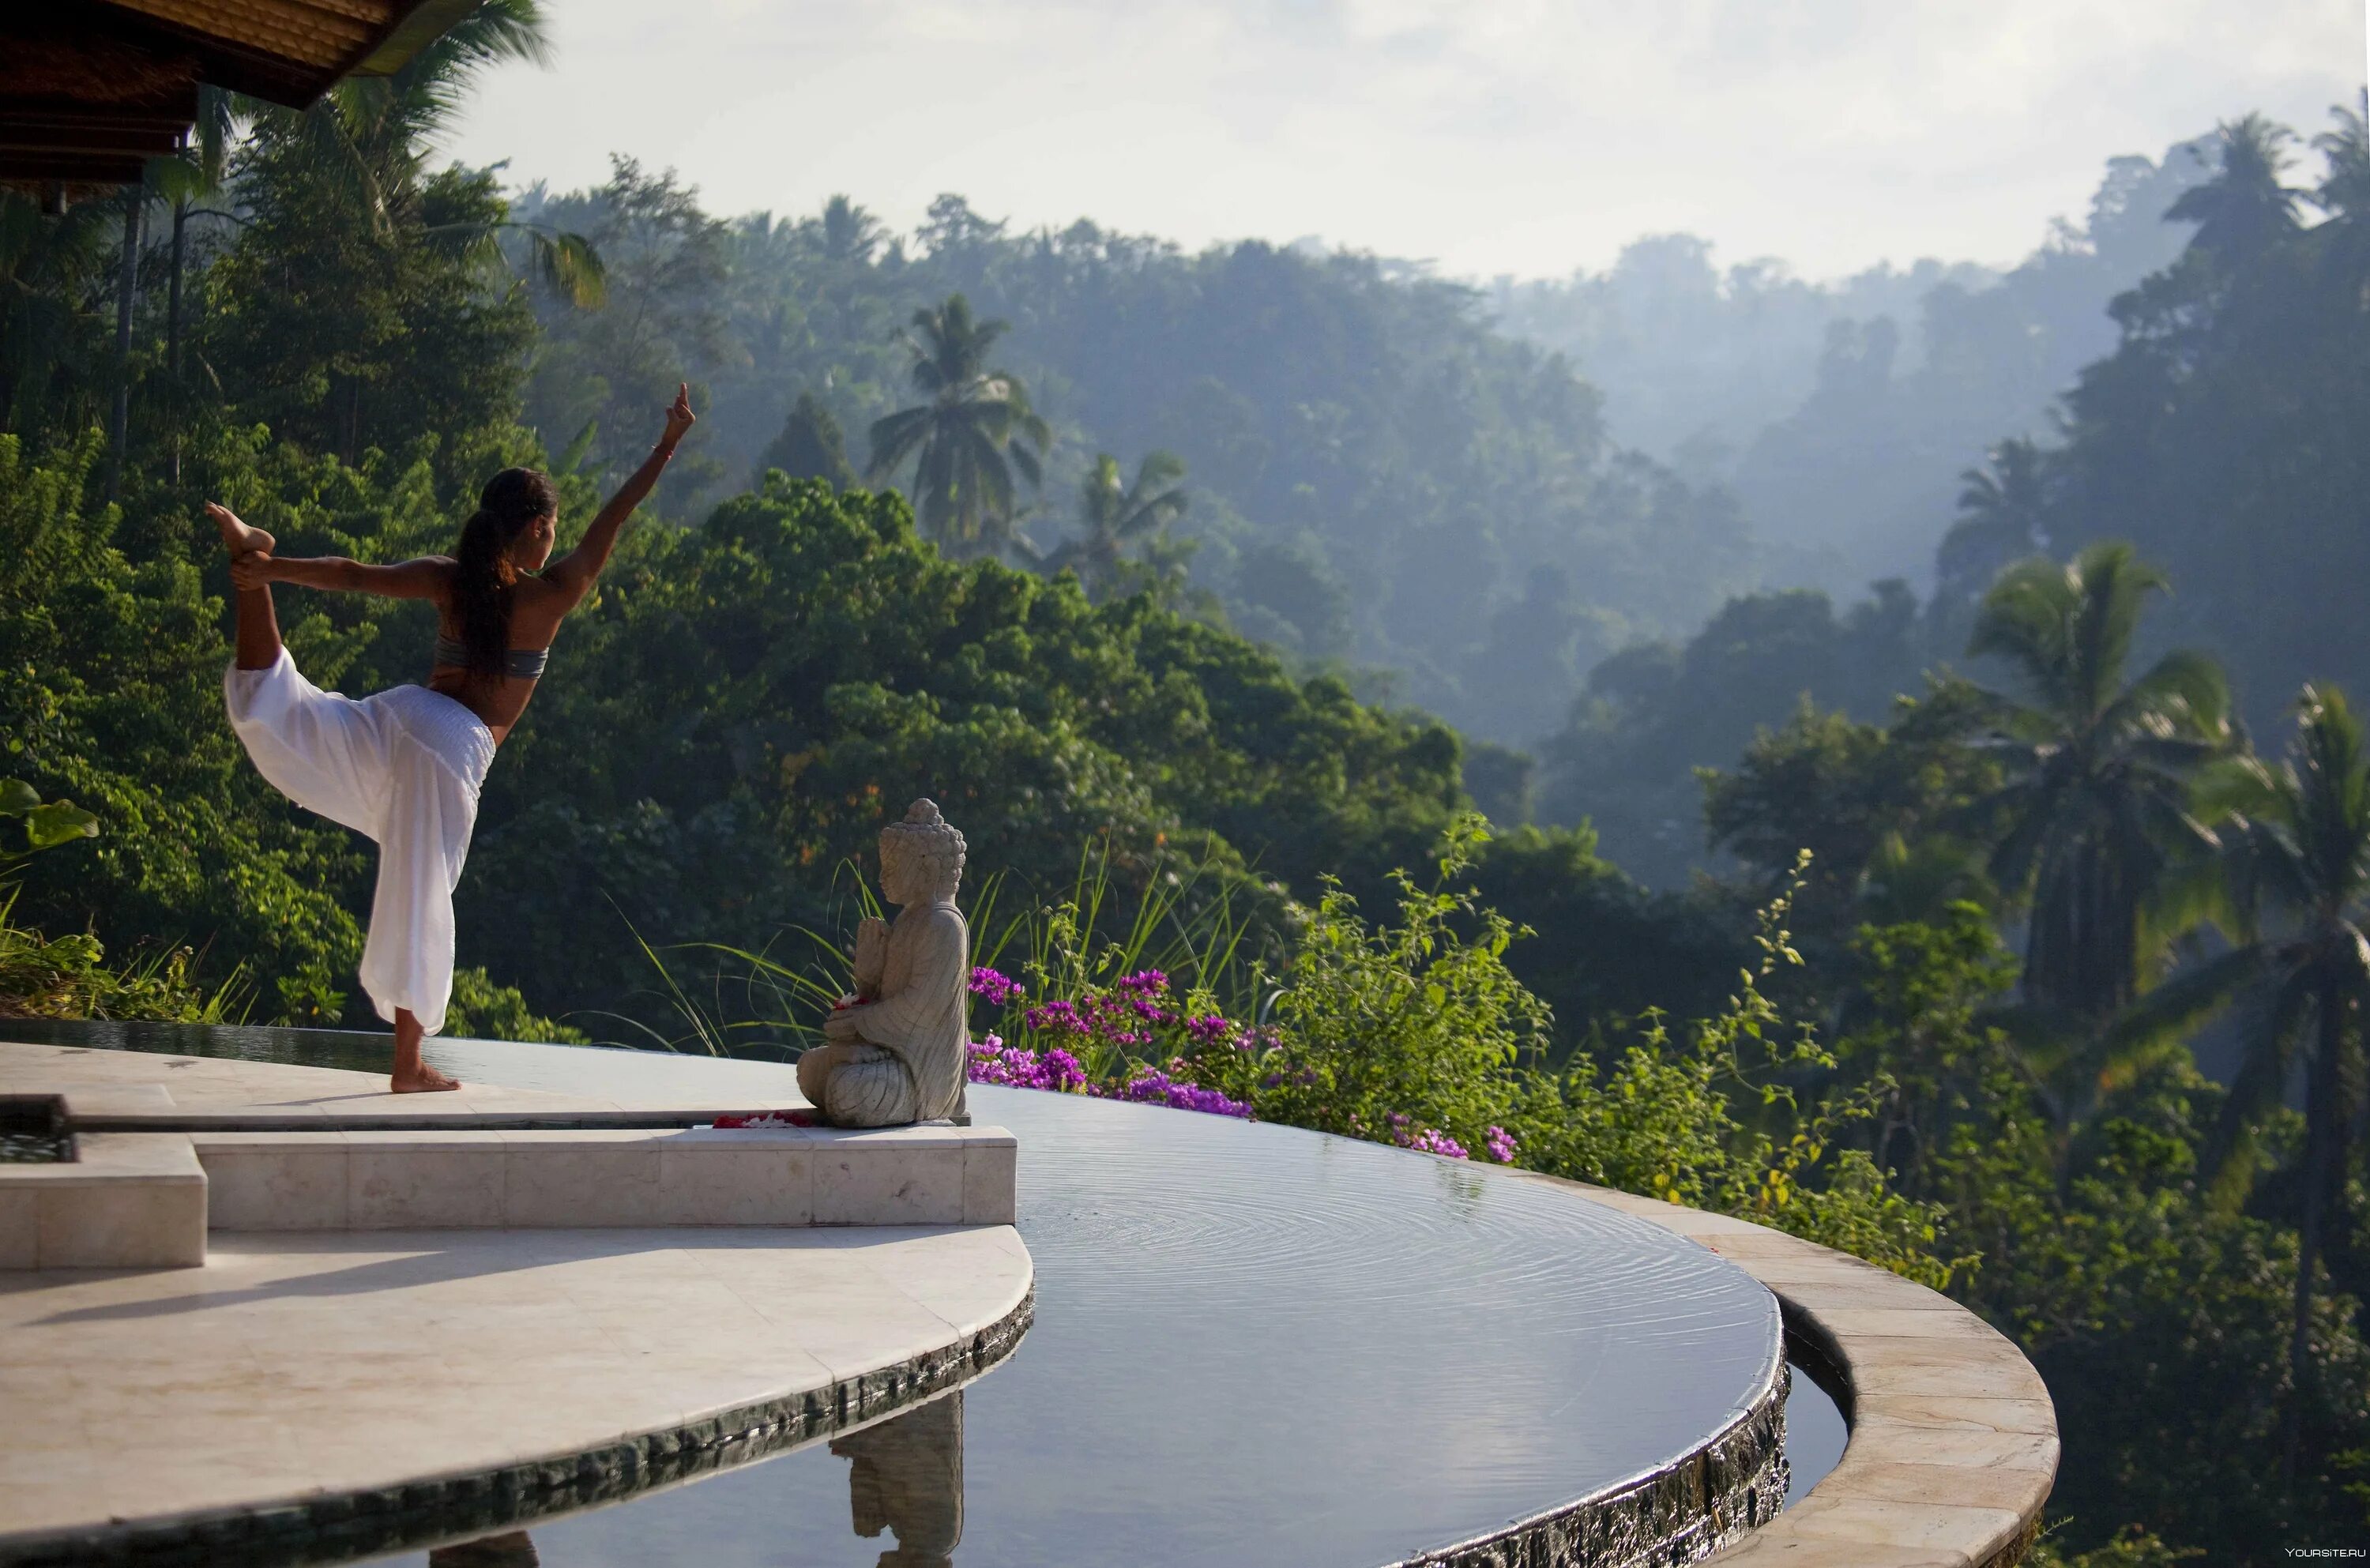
(1214,933)
(70,978)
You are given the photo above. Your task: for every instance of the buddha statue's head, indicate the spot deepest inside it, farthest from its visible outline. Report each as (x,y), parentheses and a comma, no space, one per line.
(921,857)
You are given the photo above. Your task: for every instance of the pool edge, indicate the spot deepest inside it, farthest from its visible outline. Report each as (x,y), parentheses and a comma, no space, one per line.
(1969,1433)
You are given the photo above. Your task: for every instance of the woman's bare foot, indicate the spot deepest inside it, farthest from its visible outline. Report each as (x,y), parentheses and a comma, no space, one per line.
(411,1074)
(238,537)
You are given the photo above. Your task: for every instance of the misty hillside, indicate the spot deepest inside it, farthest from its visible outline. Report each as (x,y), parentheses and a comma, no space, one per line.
(1840,413)
(1376,479)
(1466,497)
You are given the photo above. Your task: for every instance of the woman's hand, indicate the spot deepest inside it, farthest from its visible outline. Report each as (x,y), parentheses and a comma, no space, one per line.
(679,417)
(573,572)
(252,569)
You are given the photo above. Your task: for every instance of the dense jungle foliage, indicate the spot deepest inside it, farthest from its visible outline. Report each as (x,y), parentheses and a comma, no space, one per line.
(2092,810)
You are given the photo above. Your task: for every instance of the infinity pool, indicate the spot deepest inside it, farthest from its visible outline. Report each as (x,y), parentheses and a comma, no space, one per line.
(1252,1345)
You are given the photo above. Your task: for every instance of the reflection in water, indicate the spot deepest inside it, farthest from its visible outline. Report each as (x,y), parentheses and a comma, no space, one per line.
(906,1475)
(511,1550)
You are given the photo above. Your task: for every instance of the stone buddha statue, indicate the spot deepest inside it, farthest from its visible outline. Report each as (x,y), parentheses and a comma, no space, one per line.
(898,1052)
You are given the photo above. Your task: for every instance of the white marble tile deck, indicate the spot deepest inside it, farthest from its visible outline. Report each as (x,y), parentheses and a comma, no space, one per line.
(298,1366)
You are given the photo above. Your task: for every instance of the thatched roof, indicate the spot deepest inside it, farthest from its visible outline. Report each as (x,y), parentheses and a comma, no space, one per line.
(90,90)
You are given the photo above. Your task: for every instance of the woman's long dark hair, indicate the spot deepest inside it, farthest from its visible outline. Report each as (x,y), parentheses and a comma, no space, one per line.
(482,574)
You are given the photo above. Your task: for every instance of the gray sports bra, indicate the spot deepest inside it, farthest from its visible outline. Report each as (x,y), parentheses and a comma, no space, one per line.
(519,664)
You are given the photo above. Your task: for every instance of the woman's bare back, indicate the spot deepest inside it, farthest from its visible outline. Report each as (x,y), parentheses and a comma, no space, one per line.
(537,609)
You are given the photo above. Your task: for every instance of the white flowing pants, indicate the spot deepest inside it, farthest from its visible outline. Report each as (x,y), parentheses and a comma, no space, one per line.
(402,767)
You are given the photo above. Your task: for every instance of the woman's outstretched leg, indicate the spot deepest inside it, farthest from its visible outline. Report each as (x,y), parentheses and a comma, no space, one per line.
(413,1076)
(259,627)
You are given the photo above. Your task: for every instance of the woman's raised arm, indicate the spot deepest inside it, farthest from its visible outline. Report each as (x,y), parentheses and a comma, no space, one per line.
(575,571)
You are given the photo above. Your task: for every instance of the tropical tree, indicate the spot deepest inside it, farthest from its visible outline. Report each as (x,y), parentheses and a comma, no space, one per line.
(2244,209)
(51,345)
(195,173)
(2345,185)
(373,136)
(850,234)
(811,446)
(2345,189)
(2095,808)
(2000,520)
(355,309)
(2295,886)
(1114,515)
(972,431)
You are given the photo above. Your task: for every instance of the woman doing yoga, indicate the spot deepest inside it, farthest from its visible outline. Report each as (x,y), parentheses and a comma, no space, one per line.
(404,767)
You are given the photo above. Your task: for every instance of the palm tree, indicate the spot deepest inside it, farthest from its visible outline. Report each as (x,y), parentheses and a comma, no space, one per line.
(1113,515)
(373,134)
(2244,209)
(2096,806)
(850,235)
(2345,187)
(195,173)
(972,432)
(362,155)
(2297,903)
(2000,520)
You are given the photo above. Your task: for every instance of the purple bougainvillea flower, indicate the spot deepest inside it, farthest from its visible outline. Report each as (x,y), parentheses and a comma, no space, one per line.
(1061,1017)
(996,990)
(992,1061)
(1430,1141)
(1210,1029)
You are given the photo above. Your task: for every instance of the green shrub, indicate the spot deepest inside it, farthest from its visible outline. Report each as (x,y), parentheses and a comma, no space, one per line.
(1419,1035)
(482,1010)
(70,978)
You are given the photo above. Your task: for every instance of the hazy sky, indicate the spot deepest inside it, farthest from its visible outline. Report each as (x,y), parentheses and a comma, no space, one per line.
(1523,136)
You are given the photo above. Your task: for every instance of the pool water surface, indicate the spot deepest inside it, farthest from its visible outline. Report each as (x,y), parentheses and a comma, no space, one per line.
(1252,1344)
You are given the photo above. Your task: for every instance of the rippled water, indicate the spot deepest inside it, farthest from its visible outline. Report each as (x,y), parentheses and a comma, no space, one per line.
(28,1135)
(30,1145)
(1252,1344)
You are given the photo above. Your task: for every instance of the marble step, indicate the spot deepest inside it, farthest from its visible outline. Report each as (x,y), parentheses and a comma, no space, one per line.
(124,1201)
(383,1180)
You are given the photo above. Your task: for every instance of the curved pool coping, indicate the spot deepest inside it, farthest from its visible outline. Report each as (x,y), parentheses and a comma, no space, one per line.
(1952,1441)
